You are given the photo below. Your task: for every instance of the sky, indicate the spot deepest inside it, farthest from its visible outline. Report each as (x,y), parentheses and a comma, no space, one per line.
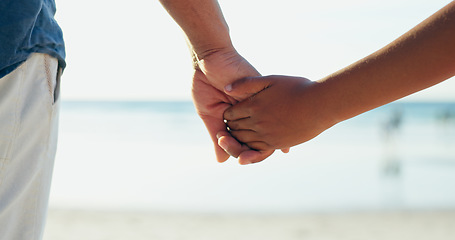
(133,50)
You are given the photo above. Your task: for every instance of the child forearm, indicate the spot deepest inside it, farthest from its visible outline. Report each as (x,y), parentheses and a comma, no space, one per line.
(422,57)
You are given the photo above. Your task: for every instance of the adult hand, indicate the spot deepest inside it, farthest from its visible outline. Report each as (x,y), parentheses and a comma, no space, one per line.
(212,72)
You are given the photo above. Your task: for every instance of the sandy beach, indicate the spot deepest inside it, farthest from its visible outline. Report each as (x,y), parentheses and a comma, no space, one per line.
(111,225)
(335,185)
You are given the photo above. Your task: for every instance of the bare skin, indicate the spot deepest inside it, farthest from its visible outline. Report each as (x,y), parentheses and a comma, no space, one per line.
(216,64)
(287,111)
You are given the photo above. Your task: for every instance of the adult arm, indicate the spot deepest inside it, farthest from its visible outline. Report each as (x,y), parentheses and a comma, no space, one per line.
(204,25)
(216,64)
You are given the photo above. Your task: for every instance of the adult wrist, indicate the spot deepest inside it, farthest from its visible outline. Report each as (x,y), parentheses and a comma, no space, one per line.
(202,52)
(207,51)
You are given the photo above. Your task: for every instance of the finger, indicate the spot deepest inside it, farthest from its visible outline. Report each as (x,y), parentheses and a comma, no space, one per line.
(249,157)
(247,87)
(214,126)
(241,124)
(230,145)
(285,150)
(237,112)
(259,146)
(245,136)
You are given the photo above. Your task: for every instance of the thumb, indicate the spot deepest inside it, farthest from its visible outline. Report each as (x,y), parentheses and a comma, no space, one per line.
(247,87)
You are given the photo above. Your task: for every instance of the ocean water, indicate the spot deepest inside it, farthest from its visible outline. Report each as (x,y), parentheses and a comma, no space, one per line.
(158,156)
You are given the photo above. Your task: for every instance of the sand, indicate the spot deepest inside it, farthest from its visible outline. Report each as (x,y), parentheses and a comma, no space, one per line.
(113,225)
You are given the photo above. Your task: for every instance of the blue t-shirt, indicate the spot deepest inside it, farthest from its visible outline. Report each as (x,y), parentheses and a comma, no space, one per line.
(28,26)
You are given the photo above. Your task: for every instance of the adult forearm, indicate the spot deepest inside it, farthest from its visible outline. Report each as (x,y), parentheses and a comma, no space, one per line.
(203,23)
(422,57)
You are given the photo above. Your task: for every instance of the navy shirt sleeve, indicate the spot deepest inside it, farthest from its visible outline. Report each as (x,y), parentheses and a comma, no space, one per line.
(28,26)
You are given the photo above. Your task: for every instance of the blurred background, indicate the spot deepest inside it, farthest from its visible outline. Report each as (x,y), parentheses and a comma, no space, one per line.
(134,160)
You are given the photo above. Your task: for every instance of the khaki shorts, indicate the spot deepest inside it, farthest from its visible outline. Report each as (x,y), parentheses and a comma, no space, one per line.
(29,106)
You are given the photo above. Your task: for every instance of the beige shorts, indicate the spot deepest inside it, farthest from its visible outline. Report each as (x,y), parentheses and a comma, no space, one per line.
(29,109)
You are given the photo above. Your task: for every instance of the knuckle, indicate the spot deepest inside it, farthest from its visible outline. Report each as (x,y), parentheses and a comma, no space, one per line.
(260,146)
(232,125)
(228,114)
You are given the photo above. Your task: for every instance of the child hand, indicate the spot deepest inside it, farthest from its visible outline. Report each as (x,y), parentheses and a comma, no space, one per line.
(286,111)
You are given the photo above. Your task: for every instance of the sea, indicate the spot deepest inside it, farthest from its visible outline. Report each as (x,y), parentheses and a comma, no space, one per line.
(157,156)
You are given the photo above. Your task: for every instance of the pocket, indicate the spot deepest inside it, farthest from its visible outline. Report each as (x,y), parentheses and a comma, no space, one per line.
(53,74)
(56,94)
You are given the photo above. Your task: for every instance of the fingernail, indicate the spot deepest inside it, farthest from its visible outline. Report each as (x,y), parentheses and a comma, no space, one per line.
(228,88)
(223,145)
(244,162)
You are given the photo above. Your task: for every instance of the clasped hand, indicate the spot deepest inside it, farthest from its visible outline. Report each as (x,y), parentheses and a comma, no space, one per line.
(211,74)
(277,112)
(261,113)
